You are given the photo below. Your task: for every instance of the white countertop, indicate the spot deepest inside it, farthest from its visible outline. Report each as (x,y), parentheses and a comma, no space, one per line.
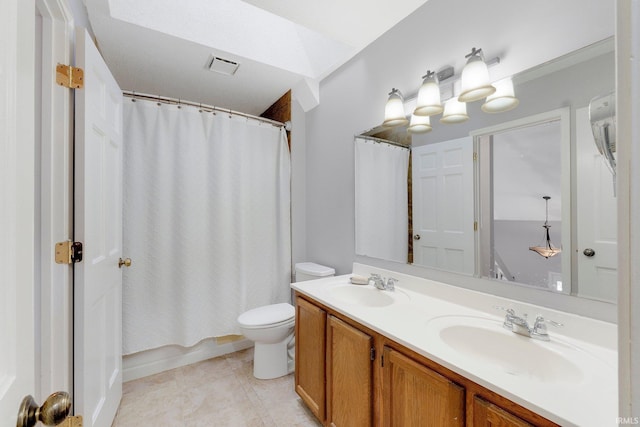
(580,388)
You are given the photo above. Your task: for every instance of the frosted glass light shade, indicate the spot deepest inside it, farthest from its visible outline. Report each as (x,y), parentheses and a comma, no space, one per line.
(475,80)
(428,103)
(419,124)
(503,99)
(454,112)
(394,110)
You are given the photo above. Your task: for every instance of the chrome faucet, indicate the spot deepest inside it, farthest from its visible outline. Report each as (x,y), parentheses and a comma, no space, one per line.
(520,325)
(382,283)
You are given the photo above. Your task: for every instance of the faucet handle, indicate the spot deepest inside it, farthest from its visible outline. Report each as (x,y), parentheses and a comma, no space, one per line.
(508,318)
(540,327)
(391,281)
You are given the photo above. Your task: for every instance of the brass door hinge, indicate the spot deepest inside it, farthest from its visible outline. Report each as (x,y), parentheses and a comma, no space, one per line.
(68,76)
(74,421)
(475,225)
(475,156)
(68,252)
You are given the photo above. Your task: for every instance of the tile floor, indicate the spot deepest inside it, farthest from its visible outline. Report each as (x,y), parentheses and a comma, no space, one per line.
(217,392)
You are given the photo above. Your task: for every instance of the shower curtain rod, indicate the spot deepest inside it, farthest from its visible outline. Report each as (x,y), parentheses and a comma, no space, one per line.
(174,101)
(386,141)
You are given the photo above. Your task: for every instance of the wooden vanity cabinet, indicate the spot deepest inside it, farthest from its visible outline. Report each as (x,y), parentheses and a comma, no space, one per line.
(487,414)
(414,395)
(351,376)
(333,374)
(310,334)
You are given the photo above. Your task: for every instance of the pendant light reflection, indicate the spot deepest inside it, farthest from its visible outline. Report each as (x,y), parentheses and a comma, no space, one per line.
(548,250)
(419,124)
(454,112)
(429,103)
(503,99)
(394,110)
(475,78)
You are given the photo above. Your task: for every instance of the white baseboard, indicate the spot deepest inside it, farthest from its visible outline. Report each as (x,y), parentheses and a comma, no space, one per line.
(145,363)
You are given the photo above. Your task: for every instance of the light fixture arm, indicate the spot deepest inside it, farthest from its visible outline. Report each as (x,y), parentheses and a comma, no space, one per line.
(429,75)
(475,52)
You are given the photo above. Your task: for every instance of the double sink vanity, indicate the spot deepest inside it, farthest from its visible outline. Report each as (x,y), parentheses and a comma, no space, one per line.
(427,353)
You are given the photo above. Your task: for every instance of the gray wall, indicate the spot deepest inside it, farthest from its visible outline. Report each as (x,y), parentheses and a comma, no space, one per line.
(352,100)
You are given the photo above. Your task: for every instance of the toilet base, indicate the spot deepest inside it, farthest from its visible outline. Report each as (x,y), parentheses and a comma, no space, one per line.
(272,360)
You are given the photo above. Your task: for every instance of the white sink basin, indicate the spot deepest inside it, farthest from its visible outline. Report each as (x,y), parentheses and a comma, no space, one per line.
(364,295)
(485,342)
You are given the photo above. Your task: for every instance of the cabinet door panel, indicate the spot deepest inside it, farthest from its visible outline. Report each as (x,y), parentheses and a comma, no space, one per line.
(349,374)
(310,354)
(487,414)
(414,395)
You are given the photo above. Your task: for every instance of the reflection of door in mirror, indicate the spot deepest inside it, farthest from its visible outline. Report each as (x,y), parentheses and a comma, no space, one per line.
(597,223)
(519,168)
(443,211)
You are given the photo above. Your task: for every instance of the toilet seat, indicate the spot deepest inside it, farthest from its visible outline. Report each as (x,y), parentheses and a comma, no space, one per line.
(268,316)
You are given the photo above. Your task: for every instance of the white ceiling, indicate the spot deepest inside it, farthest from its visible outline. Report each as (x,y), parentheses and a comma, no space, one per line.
(162,47)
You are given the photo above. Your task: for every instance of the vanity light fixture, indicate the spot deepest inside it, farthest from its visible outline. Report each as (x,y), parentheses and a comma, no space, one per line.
(419,124)
(475,78)
(547,250)
(454,112)
(503,99)
(472,84)
(394,110)
(429,103)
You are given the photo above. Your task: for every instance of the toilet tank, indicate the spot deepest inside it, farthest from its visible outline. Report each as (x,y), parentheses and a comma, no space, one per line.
(311,271)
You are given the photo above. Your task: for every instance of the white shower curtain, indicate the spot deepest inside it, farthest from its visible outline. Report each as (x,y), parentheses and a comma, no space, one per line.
(381,200)
(206,222)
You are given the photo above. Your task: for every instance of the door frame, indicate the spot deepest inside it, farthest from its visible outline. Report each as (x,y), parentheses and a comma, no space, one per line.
(54,209)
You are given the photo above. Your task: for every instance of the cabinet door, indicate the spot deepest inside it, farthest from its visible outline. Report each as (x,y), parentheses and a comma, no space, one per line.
(487,414)
(349,375)
(310,356)
(414,395)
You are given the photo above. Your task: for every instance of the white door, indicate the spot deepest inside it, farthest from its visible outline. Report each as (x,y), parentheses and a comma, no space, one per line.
(597,218)
(17,171)
(98,225)
(443,212)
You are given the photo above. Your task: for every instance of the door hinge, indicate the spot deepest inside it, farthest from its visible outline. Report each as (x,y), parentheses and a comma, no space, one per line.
(475,225)
(475,156)
(373,354)
(68,252)
(382,361)
(74,421)
(68,76)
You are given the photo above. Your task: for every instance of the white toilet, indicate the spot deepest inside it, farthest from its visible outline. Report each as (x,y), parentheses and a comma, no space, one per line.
(271,327)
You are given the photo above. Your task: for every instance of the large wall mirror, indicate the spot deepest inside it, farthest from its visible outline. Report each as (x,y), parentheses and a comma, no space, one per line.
(483,193)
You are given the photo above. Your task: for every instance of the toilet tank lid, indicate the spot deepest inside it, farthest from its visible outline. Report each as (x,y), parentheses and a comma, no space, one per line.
(313,269)
(267,315)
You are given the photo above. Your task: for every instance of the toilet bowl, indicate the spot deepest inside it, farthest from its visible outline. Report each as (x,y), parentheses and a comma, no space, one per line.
(271,328)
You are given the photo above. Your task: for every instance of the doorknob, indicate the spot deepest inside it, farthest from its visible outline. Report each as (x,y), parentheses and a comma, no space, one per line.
(589,252)
(126,262)
(416,237)
(53,411)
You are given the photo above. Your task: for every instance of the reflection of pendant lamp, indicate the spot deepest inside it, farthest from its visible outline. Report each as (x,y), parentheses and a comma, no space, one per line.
(548,250)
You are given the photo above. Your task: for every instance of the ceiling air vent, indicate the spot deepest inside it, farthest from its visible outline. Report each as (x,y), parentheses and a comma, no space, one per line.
(222,66)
